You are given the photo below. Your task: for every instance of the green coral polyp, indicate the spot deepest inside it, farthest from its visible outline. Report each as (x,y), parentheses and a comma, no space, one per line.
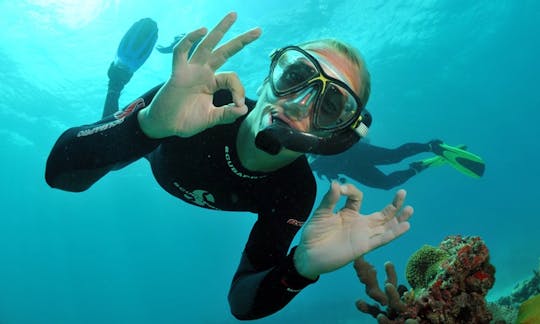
(424,265)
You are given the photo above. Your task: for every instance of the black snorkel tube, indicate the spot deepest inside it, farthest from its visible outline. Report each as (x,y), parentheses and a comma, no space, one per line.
(279,135)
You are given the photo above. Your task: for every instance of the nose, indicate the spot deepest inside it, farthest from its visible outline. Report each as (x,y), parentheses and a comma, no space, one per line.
(299,106)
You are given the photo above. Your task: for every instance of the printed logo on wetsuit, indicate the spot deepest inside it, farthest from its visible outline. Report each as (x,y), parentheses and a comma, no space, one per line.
(119,116)
(201,198)
(234,170)
(139,103)
(294,222)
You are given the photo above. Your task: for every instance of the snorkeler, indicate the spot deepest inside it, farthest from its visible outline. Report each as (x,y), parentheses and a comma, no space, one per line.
(210,146)
(360,163)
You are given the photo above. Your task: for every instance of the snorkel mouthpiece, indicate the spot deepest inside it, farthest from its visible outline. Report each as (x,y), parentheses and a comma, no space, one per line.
(268,140)
(279,135)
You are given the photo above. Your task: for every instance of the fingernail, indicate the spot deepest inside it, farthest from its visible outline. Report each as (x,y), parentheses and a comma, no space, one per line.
(256,31)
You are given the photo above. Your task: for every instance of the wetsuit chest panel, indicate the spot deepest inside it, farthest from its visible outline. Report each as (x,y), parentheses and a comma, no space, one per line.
(197,170)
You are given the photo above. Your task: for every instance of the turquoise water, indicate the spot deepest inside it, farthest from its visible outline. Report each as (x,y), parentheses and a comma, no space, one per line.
(127,252)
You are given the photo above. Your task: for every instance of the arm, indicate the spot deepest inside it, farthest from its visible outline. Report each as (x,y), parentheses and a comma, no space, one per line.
(266,279)
(256,293)
(82,155)
(182,107)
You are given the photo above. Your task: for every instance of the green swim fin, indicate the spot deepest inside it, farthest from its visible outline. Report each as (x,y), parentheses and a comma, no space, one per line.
(465,162)
(436,160)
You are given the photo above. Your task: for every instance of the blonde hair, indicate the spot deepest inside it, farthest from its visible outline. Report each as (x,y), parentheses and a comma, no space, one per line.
(352,54)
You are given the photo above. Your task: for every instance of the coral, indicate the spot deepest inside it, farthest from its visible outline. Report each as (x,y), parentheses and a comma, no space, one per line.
(529,311)
(424,265)
(452,287)
(503,313)
(523,290)
(506,308)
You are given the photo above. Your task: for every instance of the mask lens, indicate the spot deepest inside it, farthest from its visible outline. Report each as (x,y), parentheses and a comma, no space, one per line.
(338,107)
(292,72)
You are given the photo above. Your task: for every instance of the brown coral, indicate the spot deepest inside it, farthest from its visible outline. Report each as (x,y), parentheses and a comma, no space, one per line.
(455,295)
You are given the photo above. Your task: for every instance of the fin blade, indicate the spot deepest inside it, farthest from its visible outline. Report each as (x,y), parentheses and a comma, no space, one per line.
(137,44)
(438,160)
(465,162)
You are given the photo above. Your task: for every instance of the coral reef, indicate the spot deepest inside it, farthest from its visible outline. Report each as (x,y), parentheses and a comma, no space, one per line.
(451,283)
(424,265)
(505,309)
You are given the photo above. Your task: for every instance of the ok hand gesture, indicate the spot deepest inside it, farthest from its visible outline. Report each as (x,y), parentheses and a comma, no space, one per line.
(331,239)
(183,106)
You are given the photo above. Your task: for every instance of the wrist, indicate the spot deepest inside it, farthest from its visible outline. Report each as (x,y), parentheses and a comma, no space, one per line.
(146,124)
(290,279)
(301,264)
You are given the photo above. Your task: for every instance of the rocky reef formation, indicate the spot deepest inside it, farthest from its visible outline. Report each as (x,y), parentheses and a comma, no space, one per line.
(523,300)
(449,285)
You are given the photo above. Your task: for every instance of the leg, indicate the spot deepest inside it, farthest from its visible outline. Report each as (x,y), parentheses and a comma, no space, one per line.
(380,155)
(118,78)
(398,178)
(375,178)
(134,48)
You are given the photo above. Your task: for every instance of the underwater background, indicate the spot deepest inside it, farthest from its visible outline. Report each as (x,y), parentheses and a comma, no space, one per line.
(125,251)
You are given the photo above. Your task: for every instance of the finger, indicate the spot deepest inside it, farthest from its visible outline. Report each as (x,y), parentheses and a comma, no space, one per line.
(405,214)
(181,50)
(399,229)
(354,197)
(231,82)
(390,234)
(399,198)
(207,45)
(331,198)
(391,209)
(227,50)
(229,113)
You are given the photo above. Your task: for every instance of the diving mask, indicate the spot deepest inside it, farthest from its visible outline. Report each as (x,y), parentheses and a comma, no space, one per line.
(336,111)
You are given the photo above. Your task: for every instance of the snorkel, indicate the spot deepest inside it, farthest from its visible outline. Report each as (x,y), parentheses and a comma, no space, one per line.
(278,135)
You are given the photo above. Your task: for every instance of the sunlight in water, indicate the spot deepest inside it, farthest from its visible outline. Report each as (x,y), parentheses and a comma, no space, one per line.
(70,13)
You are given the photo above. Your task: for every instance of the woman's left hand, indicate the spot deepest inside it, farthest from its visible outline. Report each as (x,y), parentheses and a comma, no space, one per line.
(331,240)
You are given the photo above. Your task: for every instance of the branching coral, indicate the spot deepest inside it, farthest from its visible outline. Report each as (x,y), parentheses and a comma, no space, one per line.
(450,289)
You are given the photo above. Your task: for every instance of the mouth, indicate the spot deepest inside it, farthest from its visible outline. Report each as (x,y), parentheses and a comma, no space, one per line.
(278,117)
(272,115)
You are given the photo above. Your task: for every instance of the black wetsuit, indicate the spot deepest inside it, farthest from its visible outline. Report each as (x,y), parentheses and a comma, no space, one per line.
(360,163)
(204,170)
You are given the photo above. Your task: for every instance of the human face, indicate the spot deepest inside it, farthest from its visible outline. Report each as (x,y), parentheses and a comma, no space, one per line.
(312,91)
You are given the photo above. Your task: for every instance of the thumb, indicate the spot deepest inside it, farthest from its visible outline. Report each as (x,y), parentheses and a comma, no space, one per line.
(227,114)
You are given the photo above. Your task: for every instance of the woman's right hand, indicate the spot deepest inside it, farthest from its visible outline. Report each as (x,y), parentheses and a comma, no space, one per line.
(183,106)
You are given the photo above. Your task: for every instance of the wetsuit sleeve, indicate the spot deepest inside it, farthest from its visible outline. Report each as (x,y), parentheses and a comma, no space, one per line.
(266,279)
(82,155)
